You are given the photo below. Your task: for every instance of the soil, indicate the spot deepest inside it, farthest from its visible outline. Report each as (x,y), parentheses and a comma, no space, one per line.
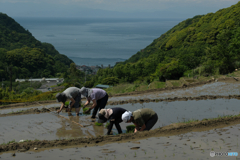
(31,111)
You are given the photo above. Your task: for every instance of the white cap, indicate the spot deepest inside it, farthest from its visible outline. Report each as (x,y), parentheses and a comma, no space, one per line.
(126,116)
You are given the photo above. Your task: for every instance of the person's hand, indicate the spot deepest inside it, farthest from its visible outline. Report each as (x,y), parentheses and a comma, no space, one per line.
(88,111)
(135,130)
(58,111)
(84,106)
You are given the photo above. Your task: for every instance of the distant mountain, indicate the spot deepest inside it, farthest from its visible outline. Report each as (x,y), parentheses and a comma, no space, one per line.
(28,56)
(206,43)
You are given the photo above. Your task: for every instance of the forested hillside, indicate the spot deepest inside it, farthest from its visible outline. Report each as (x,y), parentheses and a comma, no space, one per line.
(27,56)
(204,44)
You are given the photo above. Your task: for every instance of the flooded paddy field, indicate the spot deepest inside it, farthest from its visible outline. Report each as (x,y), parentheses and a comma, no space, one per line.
(214,88)
(192,145)
(60,136)
(46,126)
(50,126)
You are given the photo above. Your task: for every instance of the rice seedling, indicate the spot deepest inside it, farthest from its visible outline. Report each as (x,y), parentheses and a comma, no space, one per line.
(107,124)
(98,124)
(130,128)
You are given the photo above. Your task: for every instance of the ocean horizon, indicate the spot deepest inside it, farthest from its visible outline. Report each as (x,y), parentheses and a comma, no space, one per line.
(97,41)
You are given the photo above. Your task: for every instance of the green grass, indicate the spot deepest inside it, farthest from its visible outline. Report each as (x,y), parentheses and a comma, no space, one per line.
(176,83)
(131,87)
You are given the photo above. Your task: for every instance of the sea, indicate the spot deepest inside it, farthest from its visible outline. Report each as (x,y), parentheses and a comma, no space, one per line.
(97,41)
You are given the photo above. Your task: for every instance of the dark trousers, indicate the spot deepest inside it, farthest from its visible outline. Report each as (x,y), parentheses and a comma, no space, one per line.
(77,103)
(101,103)
(151,122)
(111,126)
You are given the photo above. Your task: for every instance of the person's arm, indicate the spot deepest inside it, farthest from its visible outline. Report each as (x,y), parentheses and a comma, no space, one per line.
(136,128)
(70,107)
(94,104)
(143,127)
(87,102)
(62,105)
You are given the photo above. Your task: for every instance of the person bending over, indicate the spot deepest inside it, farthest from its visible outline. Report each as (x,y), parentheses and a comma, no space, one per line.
(73,94)
(143,119)
(114,115)
(98,96)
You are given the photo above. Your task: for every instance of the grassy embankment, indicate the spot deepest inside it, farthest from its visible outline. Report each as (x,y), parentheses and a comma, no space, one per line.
(156,84)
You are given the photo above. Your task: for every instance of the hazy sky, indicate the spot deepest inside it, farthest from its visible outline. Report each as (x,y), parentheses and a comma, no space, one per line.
(112,8)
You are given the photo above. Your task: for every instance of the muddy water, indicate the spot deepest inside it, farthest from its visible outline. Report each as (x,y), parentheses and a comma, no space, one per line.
(193,145)
(45,126)
(182,111)
(18,109)
(50,126)
(216,88)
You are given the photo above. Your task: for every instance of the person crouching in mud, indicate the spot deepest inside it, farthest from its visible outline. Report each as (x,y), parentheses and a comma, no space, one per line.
(114,115)
(143,119)
(73,94)
(98,96)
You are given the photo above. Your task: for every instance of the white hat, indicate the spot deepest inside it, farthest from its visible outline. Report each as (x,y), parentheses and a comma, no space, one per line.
(126,116)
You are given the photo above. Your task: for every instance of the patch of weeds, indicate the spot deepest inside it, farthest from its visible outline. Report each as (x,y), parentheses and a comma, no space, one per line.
(27,140)
(11,141)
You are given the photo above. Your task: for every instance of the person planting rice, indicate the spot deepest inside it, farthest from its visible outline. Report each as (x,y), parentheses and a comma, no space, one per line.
(98,96)
(114,115)
(74,95)
(143,119)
